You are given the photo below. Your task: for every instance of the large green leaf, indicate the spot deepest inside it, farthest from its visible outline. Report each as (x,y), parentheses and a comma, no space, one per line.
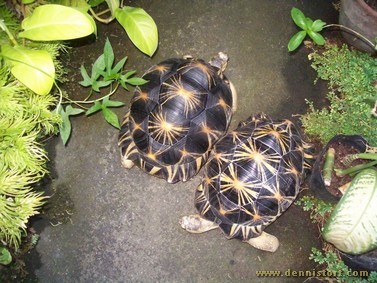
(299,18)
(57,22)
(113,5)
(34,68)
(140,28)
(352,226)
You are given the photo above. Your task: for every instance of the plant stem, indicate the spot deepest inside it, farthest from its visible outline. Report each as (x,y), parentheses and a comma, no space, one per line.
(328,166)
(356,168)
(96,16)
(374,46)
(365,155)
(10,35)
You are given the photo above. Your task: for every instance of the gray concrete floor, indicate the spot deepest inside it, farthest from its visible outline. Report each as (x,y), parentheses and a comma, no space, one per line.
(106,224)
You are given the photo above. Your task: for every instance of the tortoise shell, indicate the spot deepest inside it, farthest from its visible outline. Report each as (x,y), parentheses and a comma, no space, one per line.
(175,119)
(253,176)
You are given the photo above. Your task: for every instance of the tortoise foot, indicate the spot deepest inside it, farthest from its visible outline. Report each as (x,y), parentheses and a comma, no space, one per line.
(197,224)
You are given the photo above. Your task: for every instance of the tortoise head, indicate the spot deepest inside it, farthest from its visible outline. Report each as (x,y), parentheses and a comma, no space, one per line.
(220,61)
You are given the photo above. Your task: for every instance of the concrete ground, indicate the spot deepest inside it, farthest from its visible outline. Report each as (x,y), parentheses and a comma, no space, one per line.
(103,223)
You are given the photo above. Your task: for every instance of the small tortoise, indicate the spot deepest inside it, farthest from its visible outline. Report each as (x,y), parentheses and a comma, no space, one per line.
(253,175)
(175,119)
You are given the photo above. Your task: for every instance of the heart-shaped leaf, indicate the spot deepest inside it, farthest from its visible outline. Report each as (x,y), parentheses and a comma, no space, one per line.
(57,22)
(34,68)
(140,28)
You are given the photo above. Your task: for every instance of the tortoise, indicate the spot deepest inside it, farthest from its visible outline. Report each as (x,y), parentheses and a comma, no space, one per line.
(175,119)
(253,175)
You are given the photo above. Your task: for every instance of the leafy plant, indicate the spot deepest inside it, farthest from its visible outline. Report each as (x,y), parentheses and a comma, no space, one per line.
(351,77)
(335,268)
(312,28)
(319,209)
(138,24)
(103,75)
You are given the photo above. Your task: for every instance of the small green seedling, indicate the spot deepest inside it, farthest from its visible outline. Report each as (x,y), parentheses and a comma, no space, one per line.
(313,28)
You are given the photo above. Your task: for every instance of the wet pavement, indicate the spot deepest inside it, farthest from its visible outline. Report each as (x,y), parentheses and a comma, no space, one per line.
(107,224)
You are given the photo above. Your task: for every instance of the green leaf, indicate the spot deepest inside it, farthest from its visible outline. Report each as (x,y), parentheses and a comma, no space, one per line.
(317,38)
(80,5)
(98,67)
(128,74)
(111,117)
(308,23)
(111,103)
(296,40)
(34,68)
(317,25)
(27,1)
(99,84)
(94,3)
(87,80)
(140,28)
(108,56)
(73,111)
(95,108)
(119,66)
(136,81)
(352,225)
(56,22)
(113,5)
(5,256)
(65,127)
(299,18)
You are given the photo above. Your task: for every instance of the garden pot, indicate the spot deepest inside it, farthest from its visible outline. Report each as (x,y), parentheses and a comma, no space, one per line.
(355,143)
(363,262)
(360,16)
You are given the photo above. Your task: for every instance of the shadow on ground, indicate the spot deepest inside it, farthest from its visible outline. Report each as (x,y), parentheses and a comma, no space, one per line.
(105,224)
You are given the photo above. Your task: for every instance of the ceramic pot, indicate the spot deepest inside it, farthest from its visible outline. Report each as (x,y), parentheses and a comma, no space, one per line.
(362,18)
(316,182)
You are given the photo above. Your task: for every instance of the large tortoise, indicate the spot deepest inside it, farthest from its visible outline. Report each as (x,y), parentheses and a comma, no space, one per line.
(253,175)
(175,119)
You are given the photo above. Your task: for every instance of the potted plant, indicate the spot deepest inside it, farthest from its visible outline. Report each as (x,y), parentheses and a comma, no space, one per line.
(349,121)
(360,16)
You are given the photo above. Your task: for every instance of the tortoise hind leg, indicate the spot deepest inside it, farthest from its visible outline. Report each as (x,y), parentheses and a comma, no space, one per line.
(197,224)
(265,242)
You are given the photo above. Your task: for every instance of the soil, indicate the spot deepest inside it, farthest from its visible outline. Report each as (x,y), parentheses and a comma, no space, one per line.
(341,151)
(372,4)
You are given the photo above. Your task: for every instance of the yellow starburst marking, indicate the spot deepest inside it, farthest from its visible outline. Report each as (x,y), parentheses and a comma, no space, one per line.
(142,95)
(159,68)
(160,128)
(151,155)
(223,104)
(137,127)
(263,160)
(281,136)
(192,98)
(245,191)
(278,196)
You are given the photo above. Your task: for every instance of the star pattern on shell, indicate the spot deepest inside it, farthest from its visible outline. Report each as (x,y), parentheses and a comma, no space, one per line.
(192,98)
(163,130)
(264,161)
(245,191)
